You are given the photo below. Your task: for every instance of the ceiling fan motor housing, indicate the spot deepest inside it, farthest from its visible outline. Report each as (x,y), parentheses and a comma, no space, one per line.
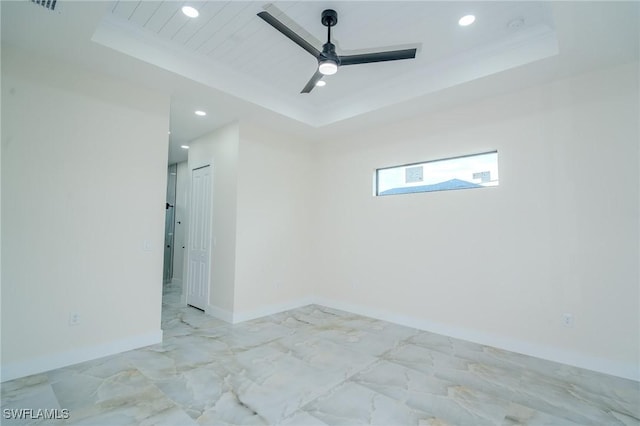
(329,52)
(329,17)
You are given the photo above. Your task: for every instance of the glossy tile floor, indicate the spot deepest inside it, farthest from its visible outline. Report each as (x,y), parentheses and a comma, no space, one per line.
(316,366)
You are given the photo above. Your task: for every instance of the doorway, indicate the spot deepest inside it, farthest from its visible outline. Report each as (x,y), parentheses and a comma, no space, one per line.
(169,223)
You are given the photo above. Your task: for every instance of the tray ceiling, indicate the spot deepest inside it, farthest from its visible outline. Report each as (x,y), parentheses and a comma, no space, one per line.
(230,49)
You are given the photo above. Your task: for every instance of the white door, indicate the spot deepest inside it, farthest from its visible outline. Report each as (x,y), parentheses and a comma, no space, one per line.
(199,238)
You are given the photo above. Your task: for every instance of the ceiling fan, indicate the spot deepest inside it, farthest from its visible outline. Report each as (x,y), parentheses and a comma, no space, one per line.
(328,59)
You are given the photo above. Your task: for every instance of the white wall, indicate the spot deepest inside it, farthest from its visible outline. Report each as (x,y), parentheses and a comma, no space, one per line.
(274,222)
(297,223)
(83,185)
(1,198)
(219,149)
(500,265)
(261,221)
(181,222)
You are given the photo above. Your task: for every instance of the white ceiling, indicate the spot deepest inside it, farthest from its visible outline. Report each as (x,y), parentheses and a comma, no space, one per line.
(233,65)
(229,48)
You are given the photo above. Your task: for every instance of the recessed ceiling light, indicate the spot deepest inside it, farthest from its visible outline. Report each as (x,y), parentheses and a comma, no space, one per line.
(191,12)
(321,83)
(466,20)
(184,146)
(200,113)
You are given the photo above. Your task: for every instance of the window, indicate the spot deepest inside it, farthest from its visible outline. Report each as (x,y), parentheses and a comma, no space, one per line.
(466,172)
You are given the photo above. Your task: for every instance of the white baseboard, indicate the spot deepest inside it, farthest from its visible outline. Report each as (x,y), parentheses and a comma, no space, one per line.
(221,314)
(16,370)
(12,371)
(576,359)
(271,309)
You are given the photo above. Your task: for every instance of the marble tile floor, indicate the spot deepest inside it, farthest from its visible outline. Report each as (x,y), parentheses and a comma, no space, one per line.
(319,366)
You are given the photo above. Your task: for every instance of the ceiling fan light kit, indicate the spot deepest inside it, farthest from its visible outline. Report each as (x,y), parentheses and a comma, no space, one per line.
(328,67)
(328,60)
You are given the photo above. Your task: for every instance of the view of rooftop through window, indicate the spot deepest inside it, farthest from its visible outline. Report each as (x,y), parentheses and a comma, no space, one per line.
(469,171)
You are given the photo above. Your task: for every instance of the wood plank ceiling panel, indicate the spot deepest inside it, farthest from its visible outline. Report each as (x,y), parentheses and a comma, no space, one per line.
(124,9)
(162,15)
(242,40)
(144,12)
(208,14)
(248,37)
(178,21)
(232,18)
(264,51)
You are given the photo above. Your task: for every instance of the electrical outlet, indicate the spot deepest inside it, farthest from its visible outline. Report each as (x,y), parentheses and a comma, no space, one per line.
(567,320)
(74,318)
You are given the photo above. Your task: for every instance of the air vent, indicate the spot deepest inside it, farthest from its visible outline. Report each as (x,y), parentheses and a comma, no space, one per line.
(49,4)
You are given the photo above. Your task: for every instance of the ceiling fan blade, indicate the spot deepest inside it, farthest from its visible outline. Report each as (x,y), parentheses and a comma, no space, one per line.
(366,58)
(288,32)
(312,83)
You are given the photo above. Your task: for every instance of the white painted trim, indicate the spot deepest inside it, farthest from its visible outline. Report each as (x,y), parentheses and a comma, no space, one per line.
(16,370)
(221,314)
(38,365)
(271,309)
(550,353)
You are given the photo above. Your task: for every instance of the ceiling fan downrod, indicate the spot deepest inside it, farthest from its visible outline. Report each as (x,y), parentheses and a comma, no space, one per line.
(328,61)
